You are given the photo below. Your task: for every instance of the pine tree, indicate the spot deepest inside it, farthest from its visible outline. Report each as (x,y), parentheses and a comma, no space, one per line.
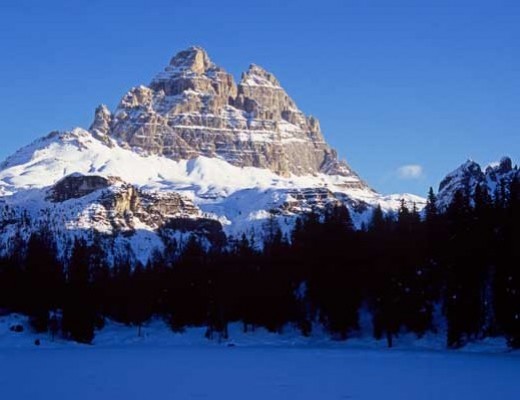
(333,283)
(431,210)
(464,285)
(43,278)
(141,297)
(187,302)
(507,279)
(79,313)
(378,222)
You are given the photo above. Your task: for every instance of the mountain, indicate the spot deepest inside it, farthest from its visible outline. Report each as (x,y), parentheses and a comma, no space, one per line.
(470,174)
(195,108)
(191,153)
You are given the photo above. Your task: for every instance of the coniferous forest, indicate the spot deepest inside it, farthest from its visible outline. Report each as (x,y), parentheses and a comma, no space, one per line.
(413,271)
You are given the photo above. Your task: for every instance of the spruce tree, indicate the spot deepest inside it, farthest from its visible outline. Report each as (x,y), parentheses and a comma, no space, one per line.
(43,278)
(79,313)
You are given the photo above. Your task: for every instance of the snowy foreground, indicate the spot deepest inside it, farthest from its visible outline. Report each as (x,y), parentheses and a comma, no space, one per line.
(259,366)
(254,373)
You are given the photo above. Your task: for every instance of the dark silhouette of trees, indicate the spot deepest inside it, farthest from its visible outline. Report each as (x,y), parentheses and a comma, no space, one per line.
(507,272)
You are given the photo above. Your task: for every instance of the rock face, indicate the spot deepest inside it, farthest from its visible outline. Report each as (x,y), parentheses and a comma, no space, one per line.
(77,185)
(127,203)
(463,178)
(100,128)
(195,108)
(123,205)
(307,200)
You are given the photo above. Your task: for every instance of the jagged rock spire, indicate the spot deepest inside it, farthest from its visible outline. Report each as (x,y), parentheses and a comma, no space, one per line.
(101,126)
(194,59)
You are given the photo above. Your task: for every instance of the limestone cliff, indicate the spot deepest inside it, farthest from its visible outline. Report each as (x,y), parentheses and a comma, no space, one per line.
(195,108)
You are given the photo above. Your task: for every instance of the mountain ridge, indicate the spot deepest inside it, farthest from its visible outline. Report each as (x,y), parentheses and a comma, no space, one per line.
(470,174)
(237,161)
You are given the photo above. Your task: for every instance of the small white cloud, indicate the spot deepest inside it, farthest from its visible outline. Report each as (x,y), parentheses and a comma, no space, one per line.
(411,171)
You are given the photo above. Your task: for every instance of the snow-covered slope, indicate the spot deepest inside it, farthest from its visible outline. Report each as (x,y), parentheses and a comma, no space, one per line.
(211,182)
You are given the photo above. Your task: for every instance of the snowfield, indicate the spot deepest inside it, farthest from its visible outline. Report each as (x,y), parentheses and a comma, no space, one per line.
(254,373)
(238,197)
(163,365)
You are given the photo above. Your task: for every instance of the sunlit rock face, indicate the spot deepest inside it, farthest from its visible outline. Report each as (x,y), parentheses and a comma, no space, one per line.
(194,108)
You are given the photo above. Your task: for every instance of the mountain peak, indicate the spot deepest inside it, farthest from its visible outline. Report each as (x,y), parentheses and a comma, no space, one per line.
(471,166)
(470,174)
(463,178)
(194,107)
(186,64)
(259,76)
(505,165)
(194,59)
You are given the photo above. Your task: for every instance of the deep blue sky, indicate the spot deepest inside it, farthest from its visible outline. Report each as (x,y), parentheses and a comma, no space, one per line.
(422,82)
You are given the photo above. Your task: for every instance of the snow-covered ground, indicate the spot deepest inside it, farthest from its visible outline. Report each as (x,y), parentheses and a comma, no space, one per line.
(162,365)
(237,196)
(254,373)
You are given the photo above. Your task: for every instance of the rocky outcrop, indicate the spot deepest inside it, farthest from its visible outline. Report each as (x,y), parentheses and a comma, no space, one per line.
(503,168)
(123,205)
(100,128)
(195,108)
(466,177)
(307,200)
(77,185)
(126,204)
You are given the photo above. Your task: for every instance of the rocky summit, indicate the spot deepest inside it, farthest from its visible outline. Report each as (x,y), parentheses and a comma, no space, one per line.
(194,108)
(470,175)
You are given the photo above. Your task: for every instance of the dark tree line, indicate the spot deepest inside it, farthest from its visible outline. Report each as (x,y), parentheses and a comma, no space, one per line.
(403,266)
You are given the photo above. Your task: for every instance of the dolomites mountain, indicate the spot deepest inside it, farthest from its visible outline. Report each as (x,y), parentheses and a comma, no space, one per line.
(192,153)
(468,176)
(195,108)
